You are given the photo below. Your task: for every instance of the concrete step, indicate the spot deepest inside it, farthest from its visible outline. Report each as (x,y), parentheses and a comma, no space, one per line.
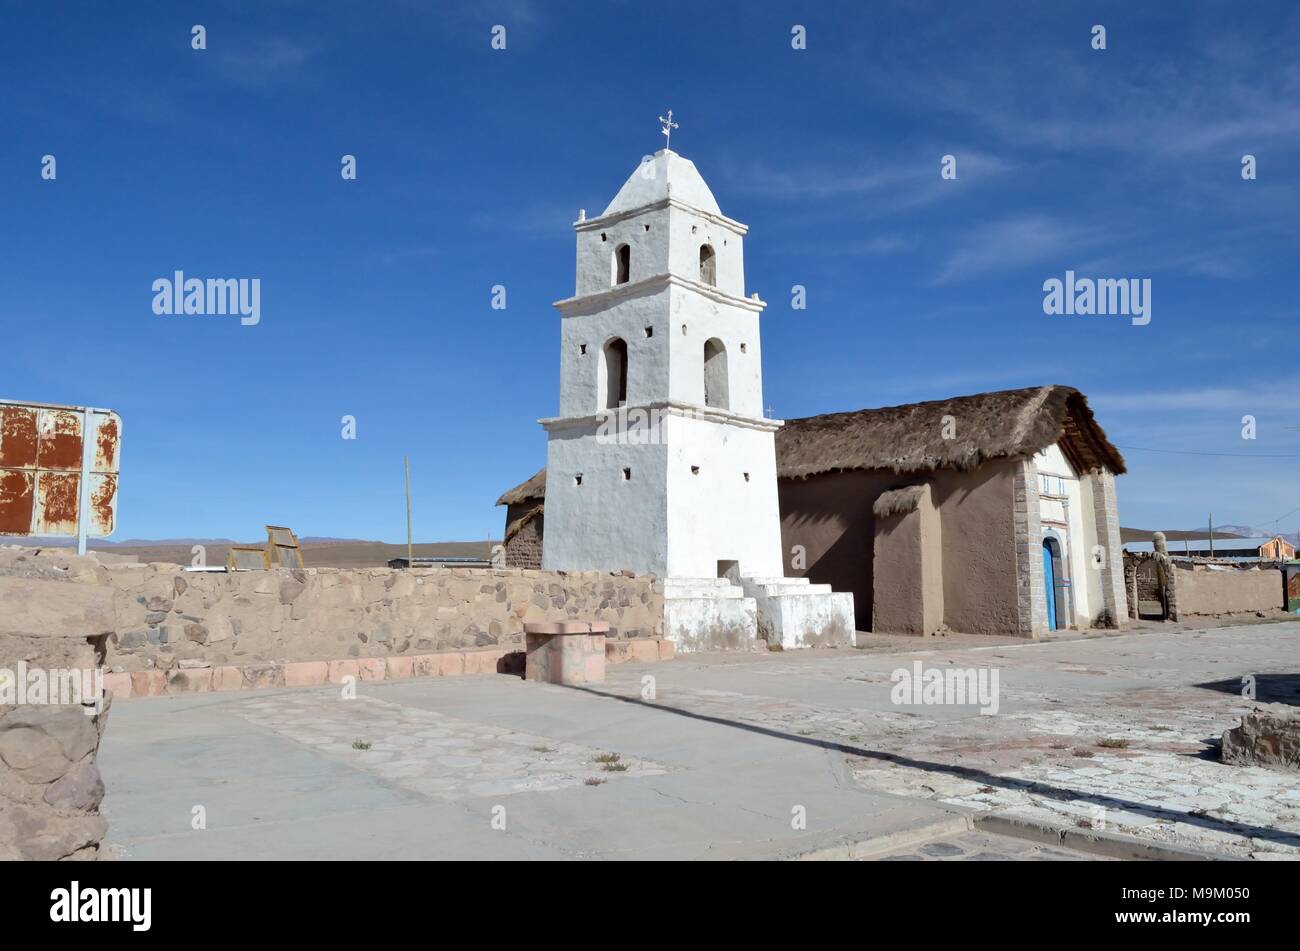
(793,591)
(678,588)
(714,622)
(794,612)
(772,586)
(705,594)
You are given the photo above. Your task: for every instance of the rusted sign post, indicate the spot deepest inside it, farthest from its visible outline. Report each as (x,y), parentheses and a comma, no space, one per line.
(58,470)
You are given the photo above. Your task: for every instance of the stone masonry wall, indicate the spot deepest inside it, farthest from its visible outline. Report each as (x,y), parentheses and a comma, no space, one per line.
(1030,590)
(168,617)
(161,629)
(56,614)
(1142,581)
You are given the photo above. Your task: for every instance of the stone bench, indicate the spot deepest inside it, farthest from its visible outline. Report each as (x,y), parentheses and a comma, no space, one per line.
(565,652)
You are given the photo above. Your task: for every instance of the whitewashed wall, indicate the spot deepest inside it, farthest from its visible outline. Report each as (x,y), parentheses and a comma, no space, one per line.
(1078,533)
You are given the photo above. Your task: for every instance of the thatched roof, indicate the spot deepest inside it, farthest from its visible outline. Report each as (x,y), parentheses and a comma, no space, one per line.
(898,501)
(534,488)
(1006,424)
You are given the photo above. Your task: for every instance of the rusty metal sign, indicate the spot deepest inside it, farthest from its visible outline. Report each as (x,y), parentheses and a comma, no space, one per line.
(50,474)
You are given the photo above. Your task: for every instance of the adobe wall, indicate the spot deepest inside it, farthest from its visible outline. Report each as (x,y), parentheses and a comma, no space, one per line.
(909,571)
(1203,590)
(831,516)
(980,558)
(524,548)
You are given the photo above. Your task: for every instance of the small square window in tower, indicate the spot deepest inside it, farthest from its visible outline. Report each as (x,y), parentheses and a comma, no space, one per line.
(708,265)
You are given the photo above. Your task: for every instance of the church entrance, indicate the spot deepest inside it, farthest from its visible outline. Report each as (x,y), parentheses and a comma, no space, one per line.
(1051,561)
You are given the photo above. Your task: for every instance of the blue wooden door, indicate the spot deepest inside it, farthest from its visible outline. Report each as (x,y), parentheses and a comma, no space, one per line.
(1049,585)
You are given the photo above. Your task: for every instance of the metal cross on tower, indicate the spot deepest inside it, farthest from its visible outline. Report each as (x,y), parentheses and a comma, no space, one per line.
(668,126)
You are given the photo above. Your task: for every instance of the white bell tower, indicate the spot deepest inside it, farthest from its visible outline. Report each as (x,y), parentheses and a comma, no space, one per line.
(661,460)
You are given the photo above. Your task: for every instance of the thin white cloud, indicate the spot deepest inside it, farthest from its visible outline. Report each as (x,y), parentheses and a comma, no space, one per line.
(878,245)
(897,182)
(264,61)
(1190,399)
(1016,242)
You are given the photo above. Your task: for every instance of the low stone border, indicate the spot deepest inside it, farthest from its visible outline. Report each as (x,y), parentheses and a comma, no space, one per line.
(850,849)
(1104,844)
(1114,845)
(313,673)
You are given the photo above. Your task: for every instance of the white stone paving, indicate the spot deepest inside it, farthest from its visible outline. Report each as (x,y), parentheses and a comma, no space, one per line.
(432,754)
(1043,759)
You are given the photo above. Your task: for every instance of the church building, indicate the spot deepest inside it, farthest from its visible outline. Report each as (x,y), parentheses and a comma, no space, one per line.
(992,513)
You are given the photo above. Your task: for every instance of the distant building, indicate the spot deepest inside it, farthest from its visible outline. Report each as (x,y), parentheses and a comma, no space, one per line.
(438,561)
(1259,548)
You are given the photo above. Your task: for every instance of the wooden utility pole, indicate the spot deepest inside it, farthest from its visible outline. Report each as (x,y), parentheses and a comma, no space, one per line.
(1211,534)
(410,563)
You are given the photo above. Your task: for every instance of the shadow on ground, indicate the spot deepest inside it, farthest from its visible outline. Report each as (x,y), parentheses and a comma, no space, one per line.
(1269,688)
(983,777)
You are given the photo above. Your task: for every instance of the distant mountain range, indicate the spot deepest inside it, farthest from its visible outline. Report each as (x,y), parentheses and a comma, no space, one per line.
(173,542)
(1220,531)
(316,552)
(1259,531)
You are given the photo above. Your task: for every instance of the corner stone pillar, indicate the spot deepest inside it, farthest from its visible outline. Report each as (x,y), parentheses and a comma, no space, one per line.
(1031,596)
(56,616)
(1106,511)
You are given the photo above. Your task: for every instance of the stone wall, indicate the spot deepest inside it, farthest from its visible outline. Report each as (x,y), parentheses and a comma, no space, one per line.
(56,614)
(1148,596)
(1031,590)
(168,617)
(160,629)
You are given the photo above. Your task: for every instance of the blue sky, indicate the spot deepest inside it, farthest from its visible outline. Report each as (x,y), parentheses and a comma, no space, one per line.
(472,163)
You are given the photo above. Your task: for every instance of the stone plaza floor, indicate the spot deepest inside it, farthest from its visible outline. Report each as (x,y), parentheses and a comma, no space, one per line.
(772,755)
(978,846)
